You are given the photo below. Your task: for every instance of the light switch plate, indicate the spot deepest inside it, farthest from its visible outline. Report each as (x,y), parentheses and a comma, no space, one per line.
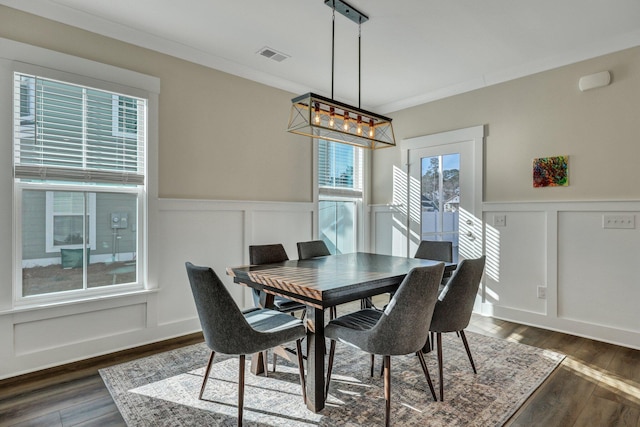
(618,221)
(499,220)
(542,292)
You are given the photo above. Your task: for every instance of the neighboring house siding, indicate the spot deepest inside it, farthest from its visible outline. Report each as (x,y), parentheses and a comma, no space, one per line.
(34,231)
(107,203)
(33,225)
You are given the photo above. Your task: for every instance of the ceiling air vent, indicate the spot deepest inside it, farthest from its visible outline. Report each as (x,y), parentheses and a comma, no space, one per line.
(267,52)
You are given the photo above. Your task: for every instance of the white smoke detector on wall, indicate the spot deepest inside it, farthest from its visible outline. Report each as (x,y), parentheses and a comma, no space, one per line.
(593,81)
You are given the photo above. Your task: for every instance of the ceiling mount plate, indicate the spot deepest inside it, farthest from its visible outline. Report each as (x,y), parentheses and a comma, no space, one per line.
(347,10)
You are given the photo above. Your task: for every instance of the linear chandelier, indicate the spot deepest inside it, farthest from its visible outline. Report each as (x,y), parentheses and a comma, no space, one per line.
(325,118)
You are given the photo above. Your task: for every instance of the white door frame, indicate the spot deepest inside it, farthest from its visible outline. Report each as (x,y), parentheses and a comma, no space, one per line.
(476,135)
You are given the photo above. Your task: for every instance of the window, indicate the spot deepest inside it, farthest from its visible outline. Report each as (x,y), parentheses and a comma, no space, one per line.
(70,216)
(340,181)
(79,174)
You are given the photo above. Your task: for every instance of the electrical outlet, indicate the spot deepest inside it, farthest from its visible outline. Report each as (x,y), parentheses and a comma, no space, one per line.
(542,292)
(499,220)
(618,221)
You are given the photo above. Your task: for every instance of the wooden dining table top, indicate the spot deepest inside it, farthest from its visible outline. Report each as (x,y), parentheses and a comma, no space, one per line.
(330,280)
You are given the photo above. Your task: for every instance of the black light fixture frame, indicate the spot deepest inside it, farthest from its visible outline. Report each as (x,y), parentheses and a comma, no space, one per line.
(320,117)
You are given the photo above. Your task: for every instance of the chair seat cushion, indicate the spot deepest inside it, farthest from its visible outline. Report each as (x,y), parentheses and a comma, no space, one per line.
(274,328)
(361,320)
(286,305)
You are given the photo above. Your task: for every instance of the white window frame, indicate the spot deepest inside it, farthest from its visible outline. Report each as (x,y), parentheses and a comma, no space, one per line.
(360,197)
(19,57)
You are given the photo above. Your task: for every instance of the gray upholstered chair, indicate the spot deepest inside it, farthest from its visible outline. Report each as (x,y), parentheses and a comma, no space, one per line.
(312,249)
(401,329)
(228,330)
(453,309)
(437,251)
(271,254)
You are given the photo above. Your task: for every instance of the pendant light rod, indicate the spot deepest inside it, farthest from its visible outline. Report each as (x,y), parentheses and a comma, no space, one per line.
(333,45)
(359,60)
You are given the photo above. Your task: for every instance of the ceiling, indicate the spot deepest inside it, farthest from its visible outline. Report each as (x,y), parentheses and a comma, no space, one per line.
(413,51)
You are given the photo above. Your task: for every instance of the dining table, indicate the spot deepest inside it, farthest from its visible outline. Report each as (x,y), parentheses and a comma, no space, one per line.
(320,283)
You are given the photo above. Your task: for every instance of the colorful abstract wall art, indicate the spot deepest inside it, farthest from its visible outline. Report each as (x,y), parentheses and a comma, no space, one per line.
(551,171)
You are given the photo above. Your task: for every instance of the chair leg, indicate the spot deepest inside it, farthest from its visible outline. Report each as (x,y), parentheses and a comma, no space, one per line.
(274,361)
(241,389)
(373,361)
(387,390)
(466,347)
(332,351)
(303,382)
(439,339)
(206,375)
(426,374)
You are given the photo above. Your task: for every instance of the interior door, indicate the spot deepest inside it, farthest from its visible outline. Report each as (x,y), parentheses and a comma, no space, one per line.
(445,191)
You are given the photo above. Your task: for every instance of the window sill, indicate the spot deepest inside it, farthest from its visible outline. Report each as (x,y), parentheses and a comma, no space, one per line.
(23,308)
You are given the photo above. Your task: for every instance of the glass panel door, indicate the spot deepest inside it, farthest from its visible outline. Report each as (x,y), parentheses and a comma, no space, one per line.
(440,198)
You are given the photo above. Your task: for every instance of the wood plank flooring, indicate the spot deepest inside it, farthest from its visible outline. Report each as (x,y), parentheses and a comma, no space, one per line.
(598,384)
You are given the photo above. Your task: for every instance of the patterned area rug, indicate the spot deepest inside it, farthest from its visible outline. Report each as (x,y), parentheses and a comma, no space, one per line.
(162,390)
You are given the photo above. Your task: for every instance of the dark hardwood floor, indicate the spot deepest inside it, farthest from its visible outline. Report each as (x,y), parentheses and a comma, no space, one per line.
(598,384)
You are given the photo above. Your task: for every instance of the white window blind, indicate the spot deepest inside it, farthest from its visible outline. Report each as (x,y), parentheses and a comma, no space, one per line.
(66,132)
(339,168)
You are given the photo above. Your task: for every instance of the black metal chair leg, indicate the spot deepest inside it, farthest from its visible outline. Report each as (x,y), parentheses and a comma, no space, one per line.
(387,390)
(206,374)
(466,347)
(439,340)
(241,389)
(373,361)
(426,374)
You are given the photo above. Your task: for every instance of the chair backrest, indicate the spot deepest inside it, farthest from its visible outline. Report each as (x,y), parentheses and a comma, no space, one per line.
(224,327)
(455,302)
(404,327)
(312,249)
(267,254)
(435,250)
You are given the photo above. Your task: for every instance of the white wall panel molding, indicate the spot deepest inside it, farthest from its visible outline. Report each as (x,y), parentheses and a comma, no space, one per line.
(588,274)
(209,232)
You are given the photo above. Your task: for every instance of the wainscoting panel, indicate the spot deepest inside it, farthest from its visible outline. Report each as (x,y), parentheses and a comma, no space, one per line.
(516,260)
(212,238)
(553,265)
(600,270)
(205,232)
(286,227)
(41,335)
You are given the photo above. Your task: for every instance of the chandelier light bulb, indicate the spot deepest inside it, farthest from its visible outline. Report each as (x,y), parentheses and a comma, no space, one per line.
(345,126)
(332,117)
(317,111)
(371,131)
(359,128)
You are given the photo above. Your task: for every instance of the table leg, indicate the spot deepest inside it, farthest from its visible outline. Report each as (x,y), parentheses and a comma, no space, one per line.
(258,362)
(315,359)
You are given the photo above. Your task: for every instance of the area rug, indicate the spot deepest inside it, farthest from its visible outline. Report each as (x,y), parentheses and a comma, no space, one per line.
(162,390)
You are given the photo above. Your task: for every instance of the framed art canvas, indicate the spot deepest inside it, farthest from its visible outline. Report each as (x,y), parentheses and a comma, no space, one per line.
(551,171)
